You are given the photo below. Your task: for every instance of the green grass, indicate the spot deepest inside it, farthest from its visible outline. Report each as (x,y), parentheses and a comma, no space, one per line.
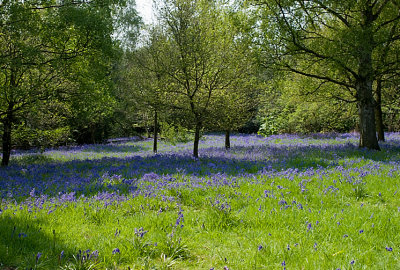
(333,223)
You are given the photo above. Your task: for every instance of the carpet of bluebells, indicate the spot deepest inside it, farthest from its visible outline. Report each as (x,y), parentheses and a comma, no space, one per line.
(278,202)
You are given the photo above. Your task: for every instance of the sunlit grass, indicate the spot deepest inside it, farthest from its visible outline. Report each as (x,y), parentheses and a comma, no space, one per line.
(269,203)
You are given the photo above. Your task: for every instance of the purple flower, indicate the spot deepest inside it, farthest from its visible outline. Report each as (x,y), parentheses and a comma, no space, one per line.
(361,231)
(282,202)
(94,255)
(283,263)
(389,249)
(352,262)
(22,235)
(38,256)
(62,254)
(260,247)
(116,250)
(309,227)
(140,232)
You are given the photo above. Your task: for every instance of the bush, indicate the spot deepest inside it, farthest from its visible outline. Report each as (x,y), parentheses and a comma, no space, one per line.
(26,138)
(176,133)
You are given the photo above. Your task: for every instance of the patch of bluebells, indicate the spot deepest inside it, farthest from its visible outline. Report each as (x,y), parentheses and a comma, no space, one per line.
(126,171)
(220,203)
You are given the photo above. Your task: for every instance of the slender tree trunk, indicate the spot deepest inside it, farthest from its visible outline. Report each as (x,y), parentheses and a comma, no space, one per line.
(7,124)
(378,112)
(227,139)
(196,140)
(155,132)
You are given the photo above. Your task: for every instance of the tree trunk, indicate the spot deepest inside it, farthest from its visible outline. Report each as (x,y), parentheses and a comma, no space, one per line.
(366,113)
(378,112)
(227,140)
(155,132)
(364,80)
(7,124)
(196,140)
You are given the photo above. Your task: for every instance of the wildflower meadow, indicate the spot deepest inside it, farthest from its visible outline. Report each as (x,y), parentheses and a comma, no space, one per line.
(277,202)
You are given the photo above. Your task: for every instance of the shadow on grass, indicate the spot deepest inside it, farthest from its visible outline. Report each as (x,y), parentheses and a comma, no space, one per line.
(23,245)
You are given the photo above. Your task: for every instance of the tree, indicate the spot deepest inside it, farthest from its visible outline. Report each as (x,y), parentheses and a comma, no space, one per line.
(144,79)
(335,42)
(237,102)
(39,41)
(199,58)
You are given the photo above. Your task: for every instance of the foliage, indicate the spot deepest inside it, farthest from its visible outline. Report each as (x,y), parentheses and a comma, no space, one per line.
(58,53)
(293,106)
(175,134)
(342,45)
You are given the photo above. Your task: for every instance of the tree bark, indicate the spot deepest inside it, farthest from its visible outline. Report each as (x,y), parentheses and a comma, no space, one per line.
(7,125)
(196,140)
(378,112)
(364,80)
(366,113)
(155,132)
(227,139)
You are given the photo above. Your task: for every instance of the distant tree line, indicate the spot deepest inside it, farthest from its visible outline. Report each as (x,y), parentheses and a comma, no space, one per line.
(85,71)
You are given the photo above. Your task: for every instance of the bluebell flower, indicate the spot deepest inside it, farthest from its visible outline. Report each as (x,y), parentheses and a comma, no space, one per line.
(282,202)
(140,232)
(22,235)
(38,256)
(116,250)
(389,249)
(94,255)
